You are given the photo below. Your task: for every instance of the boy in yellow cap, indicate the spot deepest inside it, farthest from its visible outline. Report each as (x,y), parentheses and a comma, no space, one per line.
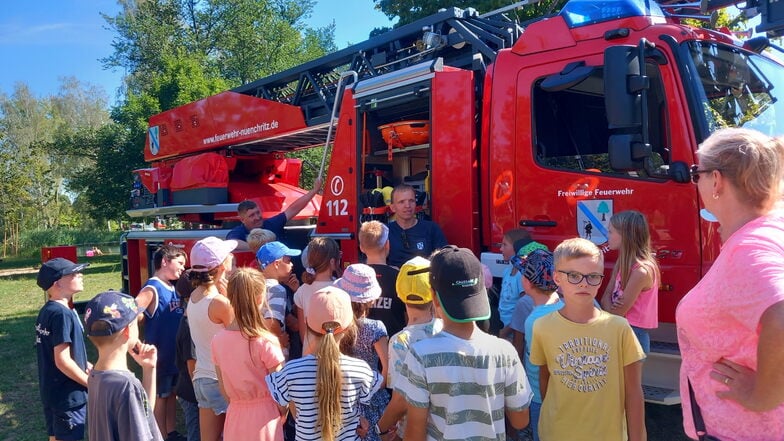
(413,288)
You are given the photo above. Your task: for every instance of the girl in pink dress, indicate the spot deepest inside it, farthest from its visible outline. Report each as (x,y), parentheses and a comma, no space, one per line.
(633,291)
(244,353)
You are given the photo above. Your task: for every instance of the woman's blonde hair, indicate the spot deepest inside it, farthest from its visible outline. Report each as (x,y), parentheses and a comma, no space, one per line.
(244,289)
(329,382)
(635,245)
(752,161)
(322,253)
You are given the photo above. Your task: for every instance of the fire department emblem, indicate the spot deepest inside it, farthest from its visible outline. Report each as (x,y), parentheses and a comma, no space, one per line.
(155,143)
(593,219)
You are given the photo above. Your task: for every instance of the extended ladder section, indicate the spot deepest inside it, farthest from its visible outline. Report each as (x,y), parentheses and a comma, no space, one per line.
(462,38)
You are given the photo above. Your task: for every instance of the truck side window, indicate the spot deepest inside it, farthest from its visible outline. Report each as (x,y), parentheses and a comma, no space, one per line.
(570,127)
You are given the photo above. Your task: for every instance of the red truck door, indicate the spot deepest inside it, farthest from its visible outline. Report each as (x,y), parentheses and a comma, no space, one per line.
(566,187)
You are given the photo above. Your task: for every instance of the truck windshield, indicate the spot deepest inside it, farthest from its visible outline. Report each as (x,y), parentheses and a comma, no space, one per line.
(737,88)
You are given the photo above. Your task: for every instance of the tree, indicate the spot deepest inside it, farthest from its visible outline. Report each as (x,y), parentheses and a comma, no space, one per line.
(411,10)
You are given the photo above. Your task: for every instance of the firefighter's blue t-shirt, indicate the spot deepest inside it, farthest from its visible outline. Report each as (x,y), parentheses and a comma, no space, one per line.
(420,240)
(274,224)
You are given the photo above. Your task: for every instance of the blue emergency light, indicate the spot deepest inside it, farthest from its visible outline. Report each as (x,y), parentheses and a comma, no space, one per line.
(586,12)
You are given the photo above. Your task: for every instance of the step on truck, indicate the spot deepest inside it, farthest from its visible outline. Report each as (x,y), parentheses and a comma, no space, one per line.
(551,125)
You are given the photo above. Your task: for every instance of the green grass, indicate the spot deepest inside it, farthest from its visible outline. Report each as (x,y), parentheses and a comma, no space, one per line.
(21,418)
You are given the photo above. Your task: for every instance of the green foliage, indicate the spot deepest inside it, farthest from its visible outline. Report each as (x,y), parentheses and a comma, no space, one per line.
(411,10)
(311,161)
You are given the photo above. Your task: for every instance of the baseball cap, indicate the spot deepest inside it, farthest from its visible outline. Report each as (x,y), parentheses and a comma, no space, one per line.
(538,268)
(109,312)
(329,310)
(54,270)
(360,282)
(272,251)
(210,252)
(524,246)
(413,282)
(456,276)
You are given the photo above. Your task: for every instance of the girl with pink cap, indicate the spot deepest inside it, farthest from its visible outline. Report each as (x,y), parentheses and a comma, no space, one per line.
(209,311)
(341,383)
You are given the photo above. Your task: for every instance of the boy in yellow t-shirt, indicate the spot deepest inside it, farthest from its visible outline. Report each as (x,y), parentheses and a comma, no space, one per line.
(590,361)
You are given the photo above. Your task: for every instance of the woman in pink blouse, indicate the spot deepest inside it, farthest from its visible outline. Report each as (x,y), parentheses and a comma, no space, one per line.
(731,324)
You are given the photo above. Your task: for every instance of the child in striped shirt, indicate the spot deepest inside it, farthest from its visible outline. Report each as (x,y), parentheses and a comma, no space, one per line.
(340,382)
(485,377)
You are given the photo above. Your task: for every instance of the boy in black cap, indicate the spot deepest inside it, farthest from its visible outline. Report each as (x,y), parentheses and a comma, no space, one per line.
(120,408)
(59,343)
(485,377)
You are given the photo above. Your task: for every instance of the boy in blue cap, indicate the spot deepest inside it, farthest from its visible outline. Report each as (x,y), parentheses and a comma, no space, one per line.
(275,262)
(59,344)
(120,406)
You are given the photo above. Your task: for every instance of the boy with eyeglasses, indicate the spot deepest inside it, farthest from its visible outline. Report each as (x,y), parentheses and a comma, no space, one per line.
(590,370)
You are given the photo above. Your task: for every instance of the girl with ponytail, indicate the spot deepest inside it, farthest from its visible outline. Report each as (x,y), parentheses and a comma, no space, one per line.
(341,382)
(322,261)
(244,353)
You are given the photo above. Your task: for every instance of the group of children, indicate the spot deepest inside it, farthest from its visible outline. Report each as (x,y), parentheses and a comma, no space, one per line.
(574,370)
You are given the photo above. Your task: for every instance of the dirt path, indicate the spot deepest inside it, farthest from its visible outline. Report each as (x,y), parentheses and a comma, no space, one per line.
(18,271)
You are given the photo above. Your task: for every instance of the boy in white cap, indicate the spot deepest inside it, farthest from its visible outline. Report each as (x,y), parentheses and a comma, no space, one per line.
(119,403)
(413,288)
(59,343)
(485,376)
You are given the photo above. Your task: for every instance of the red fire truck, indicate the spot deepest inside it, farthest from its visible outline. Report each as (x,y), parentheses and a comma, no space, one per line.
(552,125)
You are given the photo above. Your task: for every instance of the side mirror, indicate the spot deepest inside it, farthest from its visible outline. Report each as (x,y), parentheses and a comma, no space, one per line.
(628,152)
(626,100)
(679,172)
(621,64)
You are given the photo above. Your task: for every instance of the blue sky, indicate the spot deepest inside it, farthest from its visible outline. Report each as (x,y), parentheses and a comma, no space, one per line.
(43,40)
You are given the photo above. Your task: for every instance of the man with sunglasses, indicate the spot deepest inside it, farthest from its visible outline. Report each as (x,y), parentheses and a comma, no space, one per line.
(587,358)
(408,236)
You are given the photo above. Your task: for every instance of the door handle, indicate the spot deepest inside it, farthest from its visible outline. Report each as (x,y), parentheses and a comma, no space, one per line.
(537,223)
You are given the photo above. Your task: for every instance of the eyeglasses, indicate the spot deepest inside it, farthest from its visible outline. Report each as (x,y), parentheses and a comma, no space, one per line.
(695,171)
(406,245)
(574,277)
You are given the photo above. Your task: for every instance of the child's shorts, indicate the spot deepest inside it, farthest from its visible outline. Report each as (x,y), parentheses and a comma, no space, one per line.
(208,395)
(165,385)
(66,425)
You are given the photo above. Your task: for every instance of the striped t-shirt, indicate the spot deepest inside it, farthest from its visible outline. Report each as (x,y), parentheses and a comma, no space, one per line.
(296,383)
(466,384)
